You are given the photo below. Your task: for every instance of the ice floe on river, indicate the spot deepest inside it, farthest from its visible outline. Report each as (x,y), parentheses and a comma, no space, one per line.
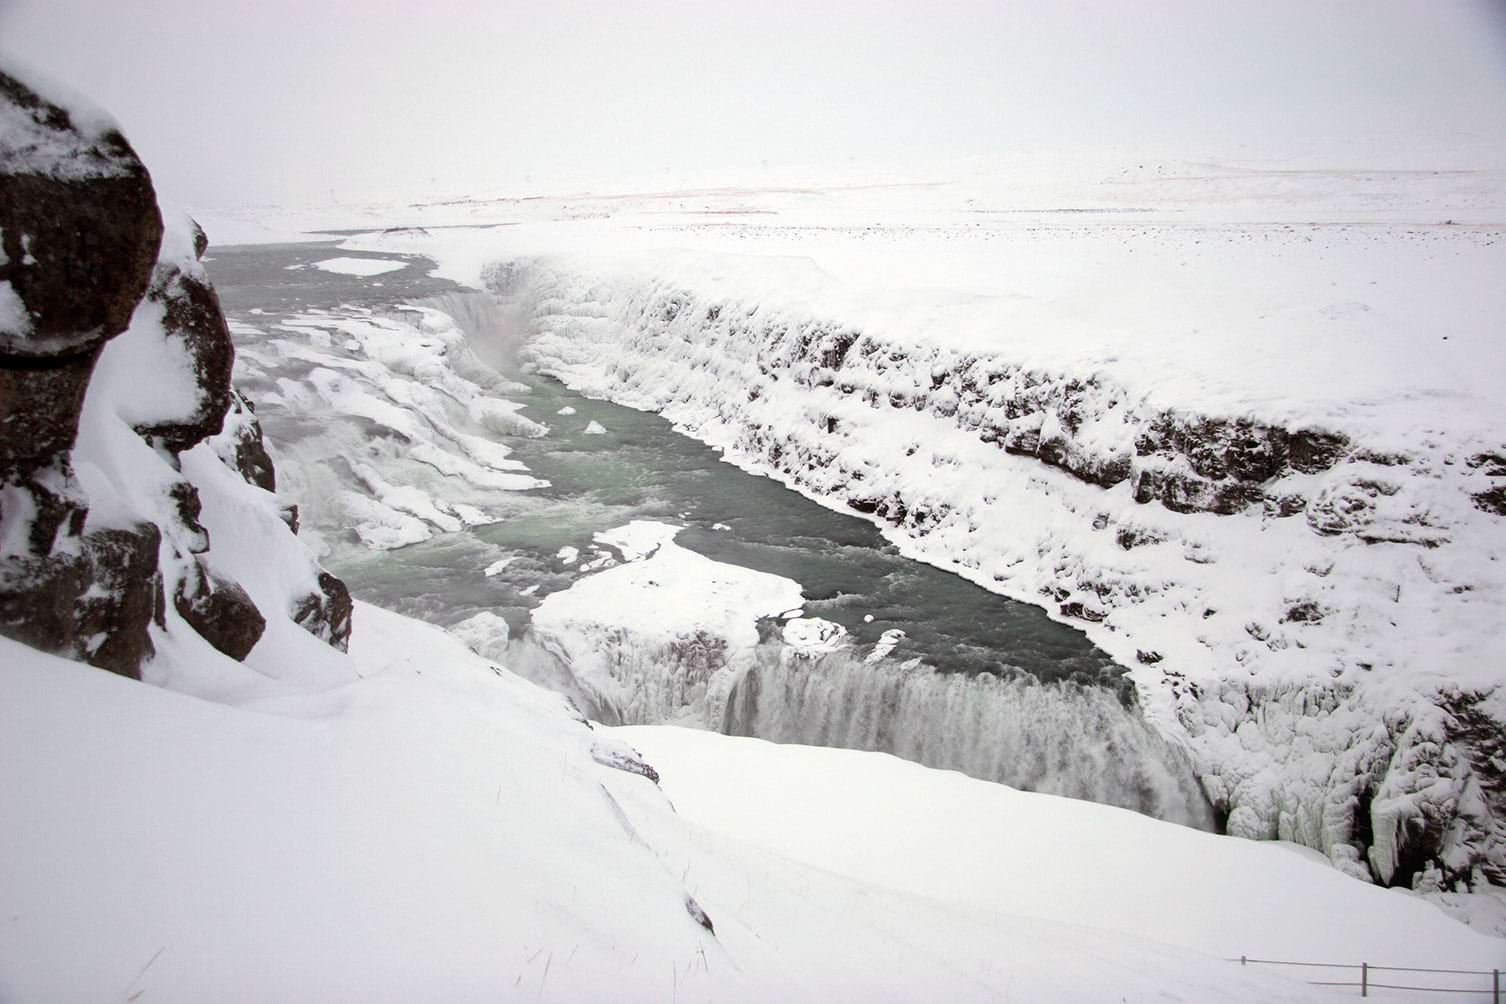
(360,266)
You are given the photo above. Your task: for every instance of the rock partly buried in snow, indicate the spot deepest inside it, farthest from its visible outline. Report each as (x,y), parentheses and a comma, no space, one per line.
(325,612)
(813,636)
(240,445)
(221,612)
(197,336)
(115,365)
(79,231)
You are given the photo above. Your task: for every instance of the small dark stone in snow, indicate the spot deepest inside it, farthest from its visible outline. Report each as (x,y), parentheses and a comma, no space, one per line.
(698,915)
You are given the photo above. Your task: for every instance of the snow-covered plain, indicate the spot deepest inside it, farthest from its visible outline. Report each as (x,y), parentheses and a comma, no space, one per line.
(1236,418)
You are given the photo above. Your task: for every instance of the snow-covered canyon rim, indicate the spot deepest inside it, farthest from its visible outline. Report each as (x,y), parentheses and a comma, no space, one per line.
(1259,459)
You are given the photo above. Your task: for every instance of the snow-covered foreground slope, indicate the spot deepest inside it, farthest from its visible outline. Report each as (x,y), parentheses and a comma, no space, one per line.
(438,829)
(434,829)
(1258,458)
(943,837)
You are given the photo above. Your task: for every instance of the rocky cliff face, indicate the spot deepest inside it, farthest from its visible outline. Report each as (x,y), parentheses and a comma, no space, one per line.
(115,362)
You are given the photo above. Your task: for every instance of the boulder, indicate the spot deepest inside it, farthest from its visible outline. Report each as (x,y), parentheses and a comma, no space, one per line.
(79,232)
(220,611)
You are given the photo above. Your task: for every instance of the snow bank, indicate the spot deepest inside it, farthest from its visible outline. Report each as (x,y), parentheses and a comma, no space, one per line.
(436,827)
(983,848)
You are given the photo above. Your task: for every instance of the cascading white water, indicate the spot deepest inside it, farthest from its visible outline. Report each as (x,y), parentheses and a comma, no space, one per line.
(1073,739)
(1058,738)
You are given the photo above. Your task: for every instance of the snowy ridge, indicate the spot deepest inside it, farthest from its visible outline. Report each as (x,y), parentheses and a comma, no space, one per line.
(1287,541)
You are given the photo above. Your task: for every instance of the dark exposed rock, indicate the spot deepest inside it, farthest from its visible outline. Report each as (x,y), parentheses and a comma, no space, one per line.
(200,241)
(1492,465)
(79,232)
(1131,537)
(326,614)
(40,403)
(188,506)
(80,236)
(1305,612)
(221,612)
(1147,658)
(122,599)
(94,604)
(1492,500)
(1311,452)
(698,915)
(1081,611)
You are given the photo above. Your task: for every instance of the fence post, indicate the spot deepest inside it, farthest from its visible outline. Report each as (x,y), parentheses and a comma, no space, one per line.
(1364,979)
(1495,986)
(1241,960)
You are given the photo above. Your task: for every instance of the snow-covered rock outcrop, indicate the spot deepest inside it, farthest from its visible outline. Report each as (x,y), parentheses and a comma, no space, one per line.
(115,362)
(1308,588)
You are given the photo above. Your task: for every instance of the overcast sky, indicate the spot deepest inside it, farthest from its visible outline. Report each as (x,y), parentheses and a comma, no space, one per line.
(236,101)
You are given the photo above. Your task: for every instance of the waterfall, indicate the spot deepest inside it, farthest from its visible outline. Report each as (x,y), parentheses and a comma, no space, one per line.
(1060,738)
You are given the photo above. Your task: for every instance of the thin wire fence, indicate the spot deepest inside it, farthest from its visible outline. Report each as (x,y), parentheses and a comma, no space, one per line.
(1489,981)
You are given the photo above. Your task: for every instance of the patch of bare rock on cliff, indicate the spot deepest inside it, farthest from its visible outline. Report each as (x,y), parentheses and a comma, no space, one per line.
(115,361)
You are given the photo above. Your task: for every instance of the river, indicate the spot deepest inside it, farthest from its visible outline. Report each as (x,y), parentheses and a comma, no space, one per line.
(978,682)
